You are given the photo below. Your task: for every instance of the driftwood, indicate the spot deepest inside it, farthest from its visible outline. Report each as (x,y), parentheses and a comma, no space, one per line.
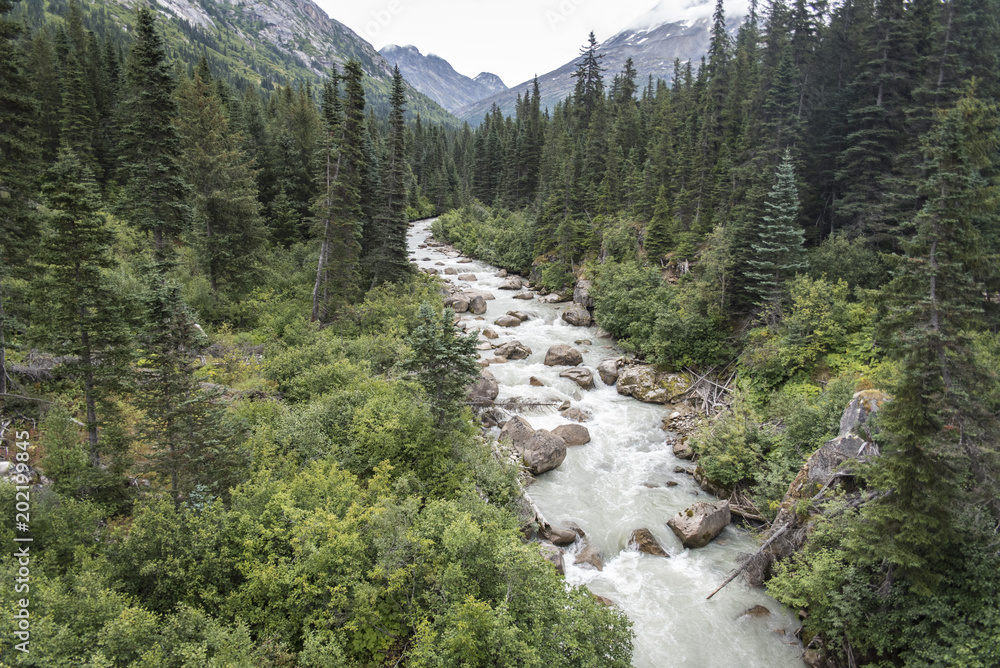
(746,564)
(715,395)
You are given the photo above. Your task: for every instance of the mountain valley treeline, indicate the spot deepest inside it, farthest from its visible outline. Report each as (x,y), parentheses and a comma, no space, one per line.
(251,409)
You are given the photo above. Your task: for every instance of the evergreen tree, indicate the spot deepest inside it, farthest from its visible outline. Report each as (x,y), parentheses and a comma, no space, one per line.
(18,152)
(191,447)
(154,196)
(659,234)
(776,245)
(589,87)
(83,318)
(389,258)
(338,209)
(229,232)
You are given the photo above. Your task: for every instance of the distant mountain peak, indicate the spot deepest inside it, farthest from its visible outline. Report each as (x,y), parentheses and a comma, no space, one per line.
(434,76)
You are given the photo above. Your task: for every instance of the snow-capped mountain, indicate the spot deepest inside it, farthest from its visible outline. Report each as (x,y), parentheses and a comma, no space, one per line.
(653,41)
(437,79)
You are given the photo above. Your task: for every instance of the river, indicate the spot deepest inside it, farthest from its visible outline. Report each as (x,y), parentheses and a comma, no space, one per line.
(618,483)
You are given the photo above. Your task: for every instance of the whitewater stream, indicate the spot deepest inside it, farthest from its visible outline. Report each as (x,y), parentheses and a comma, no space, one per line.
(618,483)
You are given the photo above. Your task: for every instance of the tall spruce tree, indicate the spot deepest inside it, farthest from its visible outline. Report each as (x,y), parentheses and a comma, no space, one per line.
(155,194)
(18,154)
(775,247)
(228,229)
(338,214)
(389,260)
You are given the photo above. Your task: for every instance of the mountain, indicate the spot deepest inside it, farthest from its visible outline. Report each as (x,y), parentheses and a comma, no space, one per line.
(265,42)
(653,41)
(437,79)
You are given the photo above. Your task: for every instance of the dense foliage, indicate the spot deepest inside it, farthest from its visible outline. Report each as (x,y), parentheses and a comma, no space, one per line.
(249,409)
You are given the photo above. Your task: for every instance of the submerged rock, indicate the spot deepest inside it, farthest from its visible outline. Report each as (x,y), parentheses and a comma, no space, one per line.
(699,524)
(645,542)
(575,414)
(589,556)
(582,377)
(513,350)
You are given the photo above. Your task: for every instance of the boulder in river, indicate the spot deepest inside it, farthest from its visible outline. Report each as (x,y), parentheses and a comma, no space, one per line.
(682,450)
(490,334)
(458,304)
(608,371)
(520,315)
(699,524)
(510,283)
(517,430)
(430,271)
(589,556)
(451,271)
(534,382)
(577,316)
(644,383)
(467,277)
(507,321)
(554,556)
(553,298)
(526,296)
(501,274)
(563,355)
(582,377)
(575,414)
(647,543)
(543,451)
(756,611)
(573,434)
(559,536)
(485,390)
(513,350)
(477,304)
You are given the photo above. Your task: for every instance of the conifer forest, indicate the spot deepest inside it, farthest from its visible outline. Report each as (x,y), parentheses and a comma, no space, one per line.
(252,440)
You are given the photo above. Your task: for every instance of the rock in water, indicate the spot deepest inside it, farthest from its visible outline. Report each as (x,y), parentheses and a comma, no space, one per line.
(511,283)
(645,384)
(699,524)
(543,451)
(560,536)
(490,334)
(573,434)
(563,355)
(451,271)
(485,390)
(575,414)
(520,315)
(582,377)
(513,350)
(682,450)
(534,382)
(756,611)
(591,557)
(554,556)
(581,293)
(507,321)
(457,304)
(467,277)
(577,316)
(477,305)
(526,296)
(646,542)
(517,430)
(608,371)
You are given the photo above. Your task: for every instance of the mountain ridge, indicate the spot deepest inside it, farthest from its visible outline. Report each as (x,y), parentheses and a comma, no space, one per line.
(437,79)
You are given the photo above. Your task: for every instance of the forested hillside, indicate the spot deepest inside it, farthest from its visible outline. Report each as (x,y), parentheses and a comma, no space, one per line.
(248,438)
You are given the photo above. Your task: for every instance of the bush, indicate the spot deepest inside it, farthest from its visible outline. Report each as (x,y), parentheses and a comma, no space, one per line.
(502,238)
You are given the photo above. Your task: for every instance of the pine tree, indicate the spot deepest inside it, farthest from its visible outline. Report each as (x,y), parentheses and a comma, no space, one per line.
(659,234)
(229,232)
(18,154)
(338,209)
(191,447)
(389,257)
(83,319)
(589,87)
(154,196)
(776,245)
(942,439)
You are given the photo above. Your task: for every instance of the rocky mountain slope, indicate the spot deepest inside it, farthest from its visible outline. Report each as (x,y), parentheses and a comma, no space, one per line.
(276,41)
(653,42)
(435,77)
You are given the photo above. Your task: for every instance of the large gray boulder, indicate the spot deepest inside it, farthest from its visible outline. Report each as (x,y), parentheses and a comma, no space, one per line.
(457,303)
(698,525)
(517,430)
(558,535)
(582,377)
(485,390)
(608,371)
(577,316)
(510,283)
(645,384)
(581,293)
(543,451)
(467,277)
(852,442)
(477,304)
(513,350)
(589,556)
(573,434)
(563,355)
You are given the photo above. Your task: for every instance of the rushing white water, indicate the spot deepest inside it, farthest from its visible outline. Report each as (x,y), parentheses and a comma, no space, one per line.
(616,484)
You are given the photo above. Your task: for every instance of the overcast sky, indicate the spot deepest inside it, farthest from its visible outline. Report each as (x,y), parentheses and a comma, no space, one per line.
(514,39)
